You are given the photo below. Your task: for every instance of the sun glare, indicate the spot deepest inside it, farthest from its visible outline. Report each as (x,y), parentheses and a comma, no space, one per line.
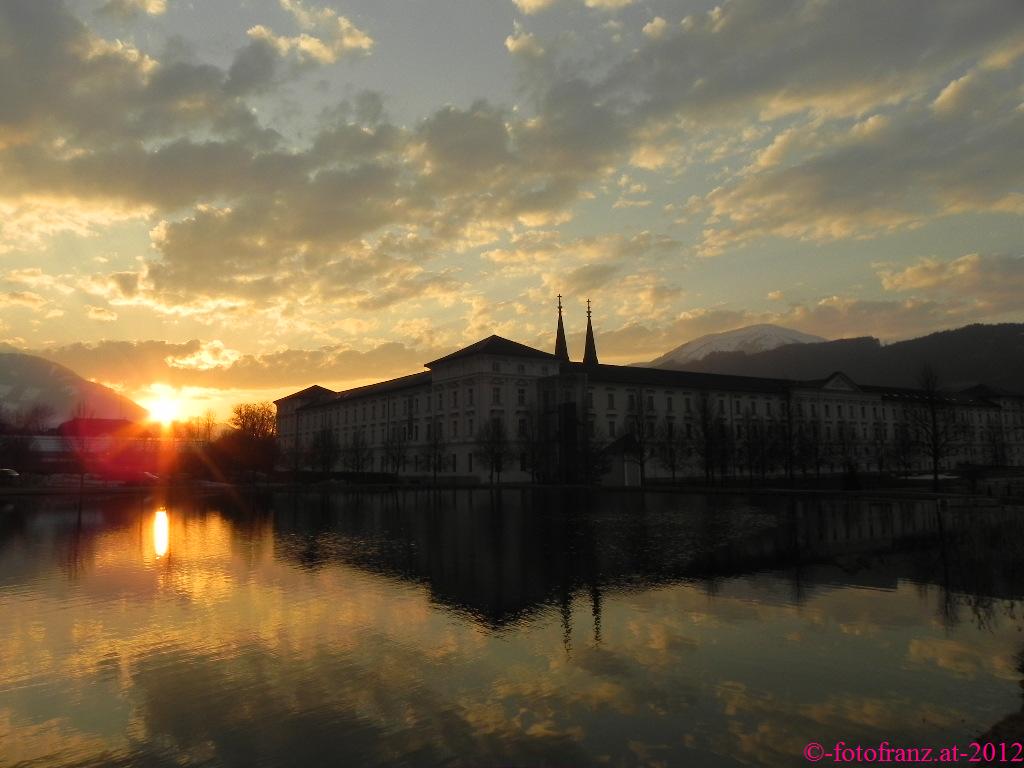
(164,407)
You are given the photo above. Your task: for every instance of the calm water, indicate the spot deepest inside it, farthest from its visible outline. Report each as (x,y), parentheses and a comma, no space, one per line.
(514,629)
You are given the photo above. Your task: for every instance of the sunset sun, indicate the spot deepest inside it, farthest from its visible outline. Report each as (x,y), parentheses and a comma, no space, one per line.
(164,407)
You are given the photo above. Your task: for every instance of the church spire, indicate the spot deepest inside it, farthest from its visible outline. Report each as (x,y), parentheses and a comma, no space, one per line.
(561,348)
(590,351)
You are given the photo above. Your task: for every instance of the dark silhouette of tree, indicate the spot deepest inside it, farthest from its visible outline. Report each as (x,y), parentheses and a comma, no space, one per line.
(324,450)
(934,421)
(396,447)
(673,447)
(356,454)
(708,436)
(592,453)
(251,444)
(904,447)
(493,447)
(534,443)
(640,424)
(254,420)
(995,440)
(434,451)
(810,446)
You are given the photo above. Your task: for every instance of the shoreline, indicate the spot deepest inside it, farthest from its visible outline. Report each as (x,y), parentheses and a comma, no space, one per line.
(348,488)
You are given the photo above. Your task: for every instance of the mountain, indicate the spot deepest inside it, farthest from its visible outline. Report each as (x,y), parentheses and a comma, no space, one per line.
(27,380)
(748,340)
(990,354)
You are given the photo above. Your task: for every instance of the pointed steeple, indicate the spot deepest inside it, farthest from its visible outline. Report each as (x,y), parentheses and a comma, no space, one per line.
(590,350)
(561,348)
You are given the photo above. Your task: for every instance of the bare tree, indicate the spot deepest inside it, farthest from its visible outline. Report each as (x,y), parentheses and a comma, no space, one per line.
(641,427)
(493,446)
(707,437)
(534,443)
(256,420)
(396,447)
(674,448)
(324,450)
(356,453)
(934,421)
(995,440)
(594,459)
(435,450)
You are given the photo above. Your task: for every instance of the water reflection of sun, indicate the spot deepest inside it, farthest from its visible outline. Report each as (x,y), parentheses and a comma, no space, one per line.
(161,533)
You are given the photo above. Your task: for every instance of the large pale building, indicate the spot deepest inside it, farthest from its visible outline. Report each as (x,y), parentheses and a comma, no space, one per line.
(502,408)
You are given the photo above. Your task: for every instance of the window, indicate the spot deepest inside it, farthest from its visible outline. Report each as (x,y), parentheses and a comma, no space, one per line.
(737,408)
(416,431)
(668,403)
(522,461)
(590,399)
(686,404)
(611,428)
(522,428)
(469,396)
(469,424)
(455,429)
(496,366)
(496,396)
(611,400)
(440,400)
(469,461)
(827,410)
(521,396)
(455,398)
(521,368)
(689,430)
(631,401)
(650,402)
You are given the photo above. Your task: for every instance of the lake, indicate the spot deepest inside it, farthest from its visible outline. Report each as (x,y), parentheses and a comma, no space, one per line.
(533,628)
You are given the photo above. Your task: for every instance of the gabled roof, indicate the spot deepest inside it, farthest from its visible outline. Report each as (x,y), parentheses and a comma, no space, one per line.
(494,345)
(380,388)
(314,391)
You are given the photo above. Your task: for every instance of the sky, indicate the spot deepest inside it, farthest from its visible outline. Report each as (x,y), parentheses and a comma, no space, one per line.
(233,200)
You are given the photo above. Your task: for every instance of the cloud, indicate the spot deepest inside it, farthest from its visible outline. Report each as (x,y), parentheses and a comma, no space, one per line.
(22,299)
(136,364)
(127,9)
(655,28)
(993,284)
(101,314)
(336,35)
(533,6)
(521,43)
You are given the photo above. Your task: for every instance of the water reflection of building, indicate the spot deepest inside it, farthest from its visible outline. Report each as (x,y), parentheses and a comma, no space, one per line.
(502,556)
(558,417)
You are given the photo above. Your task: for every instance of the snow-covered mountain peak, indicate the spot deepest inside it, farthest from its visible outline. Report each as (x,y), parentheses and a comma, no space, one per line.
(749,340)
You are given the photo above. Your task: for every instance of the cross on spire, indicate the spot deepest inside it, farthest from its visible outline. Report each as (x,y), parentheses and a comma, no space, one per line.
(590,348)
(561,348)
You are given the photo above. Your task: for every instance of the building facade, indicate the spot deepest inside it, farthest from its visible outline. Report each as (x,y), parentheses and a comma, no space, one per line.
(498,409)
